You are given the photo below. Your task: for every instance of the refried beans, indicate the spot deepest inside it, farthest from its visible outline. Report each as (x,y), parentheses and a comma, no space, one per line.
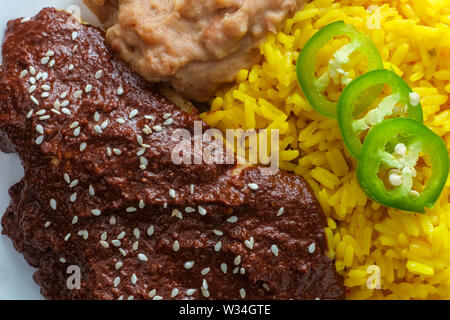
(194,45)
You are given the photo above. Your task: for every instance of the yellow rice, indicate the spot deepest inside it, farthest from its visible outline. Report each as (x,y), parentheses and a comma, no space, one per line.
(411,250)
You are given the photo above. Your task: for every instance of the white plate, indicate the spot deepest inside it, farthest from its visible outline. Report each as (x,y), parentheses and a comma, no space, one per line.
(16,276)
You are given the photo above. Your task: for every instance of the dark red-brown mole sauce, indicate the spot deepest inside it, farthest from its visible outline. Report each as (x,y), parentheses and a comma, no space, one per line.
(100,191)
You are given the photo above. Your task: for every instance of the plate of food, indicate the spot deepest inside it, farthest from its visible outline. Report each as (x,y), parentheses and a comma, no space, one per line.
(225,150)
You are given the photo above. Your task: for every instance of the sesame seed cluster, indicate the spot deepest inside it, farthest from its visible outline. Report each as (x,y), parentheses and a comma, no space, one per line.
(100,190)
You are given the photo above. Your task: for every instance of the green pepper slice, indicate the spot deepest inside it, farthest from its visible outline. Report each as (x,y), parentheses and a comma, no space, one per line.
(395,145)
(314,87)
(388,107)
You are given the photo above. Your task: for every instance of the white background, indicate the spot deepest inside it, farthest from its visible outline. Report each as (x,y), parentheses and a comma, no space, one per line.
(16,280)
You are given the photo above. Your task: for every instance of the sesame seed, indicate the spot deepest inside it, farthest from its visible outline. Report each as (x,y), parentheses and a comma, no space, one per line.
(168,122)
(39,140)
(74,124)
(51,63)
(116,243)
(66,111)
(75,220)
(62,260)
(167,115)
(32,80)
(40,129)
(312,248)
(50,53)
(242,293)
(189,210)
(205,271)
(174,293)
(104,124)
(232,219)
(157,128)
(120,91)
(177,213)
(140,140)
(157,298)
(280,212)
(149,117)
(188,265)
(23,74)
(47,224)
(88,88)
(253,186)
(152,293)
(65,103)
(71,66)
(112,220)
(85,235)
(74,183)
(74,35)
(120,120)
(44,76)
(83,146)
(46,87)
(45,60)
(248,244)
(176,246)
(31,89)
(117,151)
(202,211)
(224,267)
(140,152)
(274,250)
(172,193)
(236,270)
(133,113)
(190,292)
(131,209)
(77,94)
(73,197)
(104,236)
(108,151)
(121,235)
(39,76)
(135,245)
(119,265)
(98,74)
(266,286)
(36,102)
(30,113)
(136,233)
(218,246)
(134,279)
(32,70)
(122,252)
(43,118)
(242,271)
(96,212)
(116,282)
(55,111)
(205,284)
(67,237)
(67,178)
(150,231)
(218,233)
(142,257)
(77,132)
(237,260)
(98,129)
(205,292)
(104,244)
(147,130)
